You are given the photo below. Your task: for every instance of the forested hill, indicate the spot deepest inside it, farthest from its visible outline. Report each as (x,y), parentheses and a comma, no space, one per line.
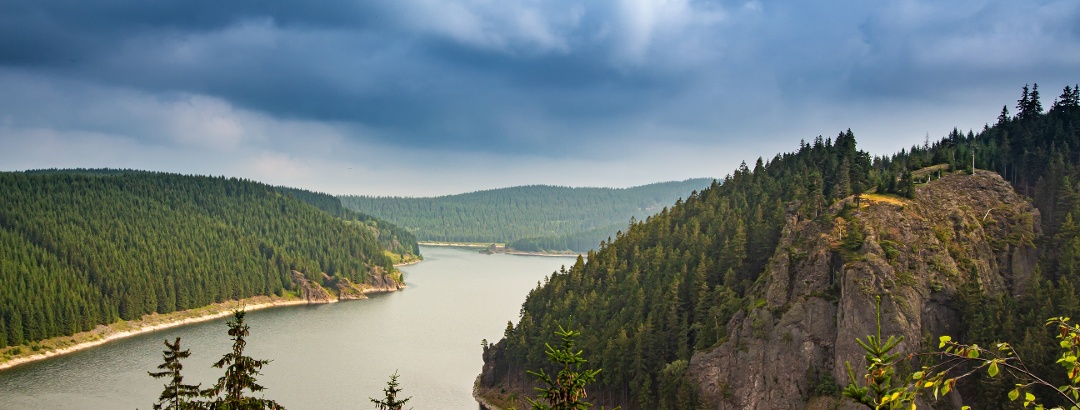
(83,248)
(533,217)
(707,301)
(392,237)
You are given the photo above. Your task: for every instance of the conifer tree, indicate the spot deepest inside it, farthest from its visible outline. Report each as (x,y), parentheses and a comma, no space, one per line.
(240,372)
(176,395)
(390,401)
(567,390)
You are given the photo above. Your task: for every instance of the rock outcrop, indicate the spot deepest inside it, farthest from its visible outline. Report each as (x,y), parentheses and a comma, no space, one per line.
(311,292)
(339,288)
(817,295)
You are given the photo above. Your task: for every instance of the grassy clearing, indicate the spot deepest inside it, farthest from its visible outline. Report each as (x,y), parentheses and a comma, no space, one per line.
(888,199)
(399,260)
(923,172)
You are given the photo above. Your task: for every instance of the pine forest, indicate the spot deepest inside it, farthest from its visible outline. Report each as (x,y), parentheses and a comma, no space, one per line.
(83,248)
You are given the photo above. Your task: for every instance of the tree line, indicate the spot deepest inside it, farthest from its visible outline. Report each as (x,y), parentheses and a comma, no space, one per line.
(667,286)
(80,249)
(530,217)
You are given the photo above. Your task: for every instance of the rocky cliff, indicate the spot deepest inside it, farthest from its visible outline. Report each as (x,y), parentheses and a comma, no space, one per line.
(817,295)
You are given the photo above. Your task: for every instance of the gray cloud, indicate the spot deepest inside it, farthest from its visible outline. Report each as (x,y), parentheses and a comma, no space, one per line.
(554,80)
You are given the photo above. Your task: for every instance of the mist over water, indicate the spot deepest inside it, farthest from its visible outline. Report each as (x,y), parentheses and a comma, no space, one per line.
(324,357)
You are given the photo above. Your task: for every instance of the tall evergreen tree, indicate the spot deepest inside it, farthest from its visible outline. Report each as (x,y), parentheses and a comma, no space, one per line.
(176,395)
(240,372)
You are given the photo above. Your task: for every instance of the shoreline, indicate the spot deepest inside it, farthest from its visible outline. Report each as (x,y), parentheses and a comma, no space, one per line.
(480,399)
(456,244)
(102,334)
(409,263)
(150,323)
(511,252)
(524,253)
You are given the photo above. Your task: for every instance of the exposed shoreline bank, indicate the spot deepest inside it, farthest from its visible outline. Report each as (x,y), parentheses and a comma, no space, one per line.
(508,252)
(480,399)
(102,334)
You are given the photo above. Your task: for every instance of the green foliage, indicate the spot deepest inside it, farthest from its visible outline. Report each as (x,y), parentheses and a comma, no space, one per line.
(677,390)
(529,218)
(667,286)
(821,383)
(390,400)
(853,236)
(581,241)
(567,390)
(957,361)
(879,390)
(890,248)
(79,248)
(240,372)
(391,237)
(176,395)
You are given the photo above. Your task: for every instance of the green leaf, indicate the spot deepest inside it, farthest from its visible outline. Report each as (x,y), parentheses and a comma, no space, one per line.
(1029,397)
(993,370)
(944,340)
(1014,394)
(917,376)
(973,354)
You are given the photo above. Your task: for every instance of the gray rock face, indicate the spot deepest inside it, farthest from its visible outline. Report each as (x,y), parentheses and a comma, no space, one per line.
(817,295)
(312,292)
(344,289)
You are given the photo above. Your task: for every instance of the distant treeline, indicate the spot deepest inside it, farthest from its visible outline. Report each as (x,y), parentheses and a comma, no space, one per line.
(578,241)
(533,217)
(87,247)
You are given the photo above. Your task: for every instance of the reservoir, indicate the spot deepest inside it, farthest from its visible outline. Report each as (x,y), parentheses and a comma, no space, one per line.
(332,356)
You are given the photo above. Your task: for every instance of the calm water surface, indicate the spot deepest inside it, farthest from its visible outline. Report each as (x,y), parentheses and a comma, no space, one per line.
(324,357)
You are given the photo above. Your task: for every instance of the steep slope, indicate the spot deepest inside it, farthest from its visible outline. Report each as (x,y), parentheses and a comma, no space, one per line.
(537,217)
(82,249)
(752,292)
(818,290)
(668,285)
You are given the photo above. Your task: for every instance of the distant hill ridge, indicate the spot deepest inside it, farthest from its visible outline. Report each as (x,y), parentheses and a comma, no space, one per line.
(531,217)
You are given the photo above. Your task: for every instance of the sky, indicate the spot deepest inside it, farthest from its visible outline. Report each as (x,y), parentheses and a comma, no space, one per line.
(435,97)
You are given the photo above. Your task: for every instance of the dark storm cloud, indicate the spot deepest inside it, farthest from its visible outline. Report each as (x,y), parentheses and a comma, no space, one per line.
(532,77)
(356,62)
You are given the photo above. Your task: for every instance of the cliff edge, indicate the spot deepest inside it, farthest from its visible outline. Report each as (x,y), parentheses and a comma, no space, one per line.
(817,294)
